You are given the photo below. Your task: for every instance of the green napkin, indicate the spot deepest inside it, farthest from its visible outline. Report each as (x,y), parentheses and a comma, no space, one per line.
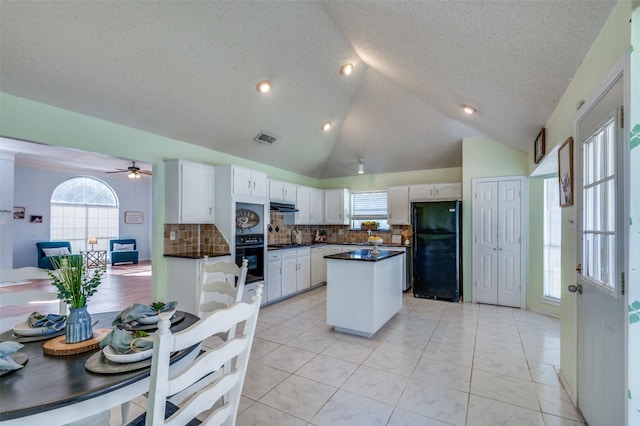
(120,341)
(138,310)
(6,350)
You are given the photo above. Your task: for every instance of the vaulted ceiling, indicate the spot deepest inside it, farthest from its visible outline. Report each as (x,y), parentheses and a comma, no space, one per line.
(188,70)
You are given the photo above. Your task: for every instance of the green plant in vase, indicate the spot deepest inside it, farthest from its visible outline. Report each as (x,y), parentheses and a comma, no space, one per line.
(75,286)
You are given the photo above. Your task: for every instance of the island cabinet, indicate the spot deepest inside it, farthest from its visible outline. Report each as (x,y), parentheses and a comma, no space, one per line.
(399,207)
(245,185)
(282,191)
(190,192)
(362,290)
(337,207)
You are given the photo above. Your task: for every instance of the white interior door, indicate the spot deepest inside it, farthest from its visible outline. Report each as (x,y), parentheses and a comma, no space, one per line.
(509,243)
(601,303)
(485,256)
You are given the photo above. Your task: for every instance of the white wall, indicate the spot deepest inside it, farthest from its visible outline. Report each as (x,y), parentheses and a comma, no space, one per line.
(6,209)
(33,188)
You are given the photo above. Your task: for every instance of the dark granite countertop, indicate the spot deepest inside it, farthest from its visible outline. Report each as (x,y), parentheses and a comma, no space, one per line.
(195,255)
(365,255)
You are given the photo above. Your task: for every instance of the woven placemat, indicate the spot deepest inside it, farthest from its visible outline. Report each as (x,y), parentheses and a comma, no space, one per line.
(18,357)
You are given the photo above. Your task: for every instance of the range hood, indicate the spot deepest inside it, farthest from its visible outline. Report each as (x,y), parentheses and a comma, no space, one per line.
(283,207)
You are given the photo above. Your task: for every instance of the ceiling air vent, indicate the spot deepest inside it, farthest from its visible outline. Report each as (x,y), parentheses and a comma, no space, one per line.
(265,138)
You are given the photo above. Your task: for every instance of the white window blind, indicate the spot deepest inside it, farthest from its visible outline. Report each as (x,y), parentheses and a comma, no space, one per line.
(369,205)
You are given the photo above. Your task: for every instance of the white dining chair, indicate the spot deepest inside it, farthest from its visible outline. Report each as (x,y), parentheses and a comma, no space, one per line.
(21,298)
(207,367)
(221,285)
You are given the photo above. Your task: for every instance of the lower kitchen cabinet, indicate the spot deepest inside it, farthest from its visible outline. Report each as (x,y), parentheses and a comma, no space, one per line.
(303,274)
(274,275)
(183,280)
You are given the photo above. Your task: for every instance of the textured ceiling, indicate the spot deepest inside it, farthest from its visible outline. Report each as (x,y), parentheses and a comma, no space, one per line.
(188,70)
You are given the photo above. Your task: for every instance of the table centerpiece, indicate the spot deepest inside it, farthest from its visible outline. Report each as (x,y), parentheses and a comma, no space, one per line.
(75,286)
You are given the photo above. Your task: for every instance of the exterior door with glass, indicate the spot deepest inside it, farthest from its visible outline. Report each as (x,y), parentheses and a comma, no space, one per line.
(601,256)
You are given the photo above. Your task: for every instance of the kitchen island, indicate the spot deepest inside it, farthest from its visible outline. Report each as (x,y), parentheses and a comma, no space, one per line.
(364,290)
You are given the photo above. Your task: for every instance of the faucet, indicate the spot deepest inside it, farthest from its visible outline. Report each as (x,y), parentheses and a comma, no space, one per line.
(369,233)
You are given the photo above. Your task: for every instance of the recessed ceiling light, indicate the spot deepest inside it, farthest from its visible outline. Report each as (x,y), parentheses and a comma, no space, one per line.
(346,69)
(326,126)
(263,86)
(468,109)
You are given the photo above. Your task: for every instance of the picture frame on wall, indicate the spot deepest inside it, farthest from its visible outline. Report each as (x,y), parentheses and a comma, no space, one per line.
(35,219)
(539,147)
(133,217)
(18,212)
(565,173)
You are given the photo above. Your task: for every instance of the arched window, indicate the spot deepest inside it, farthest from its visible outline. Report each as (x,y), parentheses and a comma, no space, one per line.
(83,207)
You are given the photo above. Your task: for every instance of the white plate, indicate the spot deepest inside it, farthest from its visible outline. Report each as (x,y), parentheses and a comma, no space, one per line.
(23,329)
(111,355)
(154,319)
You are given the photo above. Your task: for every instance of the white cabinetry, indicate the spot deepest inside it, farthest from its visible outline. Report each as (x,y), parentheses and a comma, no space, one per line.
(274,275)
(435,191)
(183,280)
(189,192)
(246,184)
(282,191)
(318,265)
(337,207)
(296,270)
(303,195)
(398,205)
(498,261)
(316,206)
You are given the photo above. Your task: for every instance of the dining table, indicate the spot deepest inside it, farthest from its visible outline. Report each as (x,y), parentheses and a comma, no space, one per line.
(59,389)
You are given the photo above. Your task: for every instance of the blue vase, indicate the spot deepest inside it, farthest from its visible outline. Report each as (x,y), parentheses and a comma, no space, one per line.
(78,328)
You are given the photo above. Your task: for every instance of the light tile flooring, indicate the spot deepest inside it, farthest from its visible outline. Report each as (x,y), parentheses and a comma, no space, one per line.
(435,363)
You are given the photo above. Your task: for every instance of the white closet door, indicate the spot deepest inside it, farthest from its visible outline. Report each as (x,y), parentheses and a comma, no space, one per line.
(485,274)
(509,243)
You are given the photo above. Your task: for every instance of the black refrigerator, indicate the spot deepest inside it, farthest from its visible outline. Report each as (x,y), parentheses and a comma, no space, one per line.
(437,250)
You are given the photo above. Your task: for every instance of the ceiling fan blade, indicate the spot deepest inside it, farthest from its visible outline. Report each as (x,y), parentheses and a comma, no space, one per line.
(145,172)
(118,171)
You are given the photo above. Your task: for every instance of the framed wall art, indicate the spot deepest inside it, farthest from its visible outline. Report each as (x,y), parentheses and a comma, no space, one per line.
(35,219)
(538,147)
(18,212)
(133,217)
(565,173)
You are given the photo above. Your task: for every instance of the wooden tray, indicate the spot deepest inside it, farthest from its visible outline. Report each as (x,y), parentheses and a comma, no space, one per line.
(58,346)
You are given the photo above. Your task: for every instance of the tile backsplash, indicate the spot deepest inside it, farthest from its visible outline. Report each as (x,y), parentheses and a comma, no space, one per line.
(280,233)
(194,238)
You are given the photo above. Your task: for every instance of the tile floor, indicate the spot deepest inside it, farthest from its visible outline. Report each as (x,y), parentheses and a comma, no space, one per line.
(435,363)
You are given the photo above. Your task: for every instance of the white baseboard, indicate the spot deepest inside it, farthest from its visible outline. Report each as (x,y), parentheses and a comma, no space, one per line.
(565,385)
(540,311)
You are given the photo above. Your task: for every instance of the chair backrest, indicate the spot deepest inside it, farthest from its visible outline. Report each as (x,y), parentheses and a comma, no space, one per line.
(20,298)
(123,241)
(221,284)
(51,244)
(224,386)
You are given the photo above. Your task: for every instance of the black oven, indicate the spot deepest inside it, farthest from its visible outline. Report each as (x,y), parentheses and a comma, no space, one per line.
(251,247)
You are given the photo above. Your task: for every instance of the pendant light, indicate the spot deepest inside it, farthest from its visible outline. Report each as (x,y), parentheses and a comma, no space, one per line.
(360,167)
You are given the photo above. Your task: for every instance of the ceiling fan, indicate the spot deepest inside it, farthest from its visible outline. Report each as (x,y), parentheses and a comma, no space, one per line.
(133,170)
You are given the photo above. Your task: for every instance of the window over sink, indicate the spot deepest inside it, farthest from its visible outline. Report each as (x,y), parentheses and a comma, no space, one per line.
(370,206)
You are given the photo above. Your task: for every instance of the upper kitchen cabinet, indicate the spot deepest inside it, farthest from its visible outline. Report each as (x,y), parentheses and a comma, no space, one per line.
(303,199)
(435,191)
(282,191)
(245,184)
(399,211)
(190,192)
(316,206)
(337,207)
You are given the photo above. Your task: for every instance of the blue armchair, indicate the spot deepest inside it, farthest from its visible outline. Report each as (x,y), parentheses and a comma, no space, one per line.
(123,256)
(44,261)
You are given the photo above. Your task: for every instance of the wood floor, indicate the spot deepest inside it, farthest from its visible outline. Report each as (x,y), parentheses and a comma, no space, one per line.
(121,286)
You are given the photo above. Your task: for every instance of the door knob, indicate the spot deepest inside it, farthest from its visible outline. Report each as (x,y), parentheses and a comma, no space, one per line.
(576,288)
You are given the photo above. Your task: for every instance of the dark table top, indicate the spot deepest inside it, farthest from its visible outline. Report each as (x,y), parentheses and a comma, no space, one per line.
(365,255)
(47,382)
